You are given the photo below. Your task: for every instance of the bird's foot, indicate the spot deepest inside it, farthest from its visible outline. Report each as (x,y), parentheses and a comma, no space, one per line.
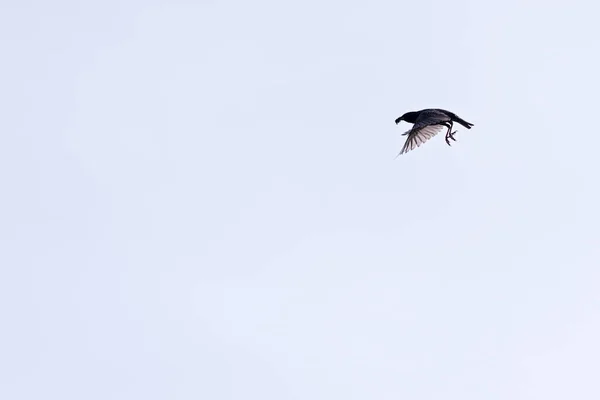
(450,135)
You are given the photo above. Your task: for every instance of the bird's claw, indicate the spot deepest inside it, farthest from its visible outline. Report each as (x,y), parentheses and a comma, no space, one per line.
(450,135)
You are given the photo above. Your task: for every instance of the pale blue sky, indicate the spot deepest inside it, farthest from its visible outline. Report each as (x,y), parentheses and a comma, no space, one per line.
(200,201)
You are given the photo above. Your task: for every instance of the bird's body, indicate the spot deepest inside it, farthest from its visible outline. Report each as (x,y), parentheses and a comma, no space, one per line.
(428,123)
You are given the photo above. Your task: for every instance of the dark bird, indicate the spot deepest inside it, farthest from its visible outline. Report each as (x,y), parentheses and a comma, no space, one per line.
(427,124)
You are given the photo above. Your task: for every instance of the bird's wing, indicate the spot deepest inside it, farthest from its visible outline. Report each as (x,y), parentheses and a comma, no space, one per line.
(425,127)
(416,137)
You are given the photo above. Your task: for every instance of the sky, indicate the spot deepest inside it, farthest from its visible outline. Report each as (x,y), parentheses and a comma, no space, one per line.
(201,200)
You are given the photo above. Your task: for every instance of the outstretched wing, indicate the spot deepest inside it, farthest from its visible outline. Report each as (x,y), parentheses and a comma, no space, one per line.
(426,126)
(416,137)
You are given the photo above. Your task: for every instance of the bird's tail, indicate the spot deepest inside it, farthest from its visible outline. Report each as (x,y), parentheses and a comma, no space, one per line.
(461,121)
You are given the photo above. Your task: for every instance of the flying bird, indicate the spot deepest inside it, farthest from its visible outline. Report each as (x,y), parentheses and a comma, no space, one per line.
(427,124)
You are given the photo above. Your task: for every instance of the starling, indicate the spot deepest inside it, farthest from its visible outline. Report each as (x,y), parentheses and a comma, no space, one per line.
(427,124)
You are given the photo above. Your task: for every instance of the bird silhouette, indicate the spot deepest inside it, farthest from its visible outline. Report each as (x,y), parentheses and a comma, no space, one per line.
(428,123)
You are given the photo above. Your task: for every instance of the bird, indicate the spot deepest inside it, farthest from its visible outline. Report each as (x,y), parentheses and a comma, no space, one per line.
(428,123)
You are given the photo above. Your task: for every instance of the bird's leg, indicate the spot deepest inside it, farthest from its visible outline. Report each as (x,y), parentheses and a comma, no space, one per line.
(449,133)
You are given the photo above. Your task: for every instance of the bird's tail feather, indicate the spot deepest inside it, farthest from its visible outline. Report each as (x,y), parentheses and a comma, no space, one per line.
(461,121)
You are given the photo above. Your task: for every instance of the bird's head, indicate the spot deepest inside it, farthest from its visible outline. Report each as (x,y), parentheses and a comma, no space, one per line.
(410,116)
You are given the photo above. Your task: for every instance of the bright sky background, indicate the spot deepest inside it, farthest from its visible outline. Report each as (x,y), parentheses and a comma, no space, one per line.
(199,200)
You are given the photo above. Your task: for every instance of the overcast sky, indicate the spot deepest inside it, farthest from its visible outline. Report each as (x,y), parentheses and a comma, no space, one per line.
(199,200)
